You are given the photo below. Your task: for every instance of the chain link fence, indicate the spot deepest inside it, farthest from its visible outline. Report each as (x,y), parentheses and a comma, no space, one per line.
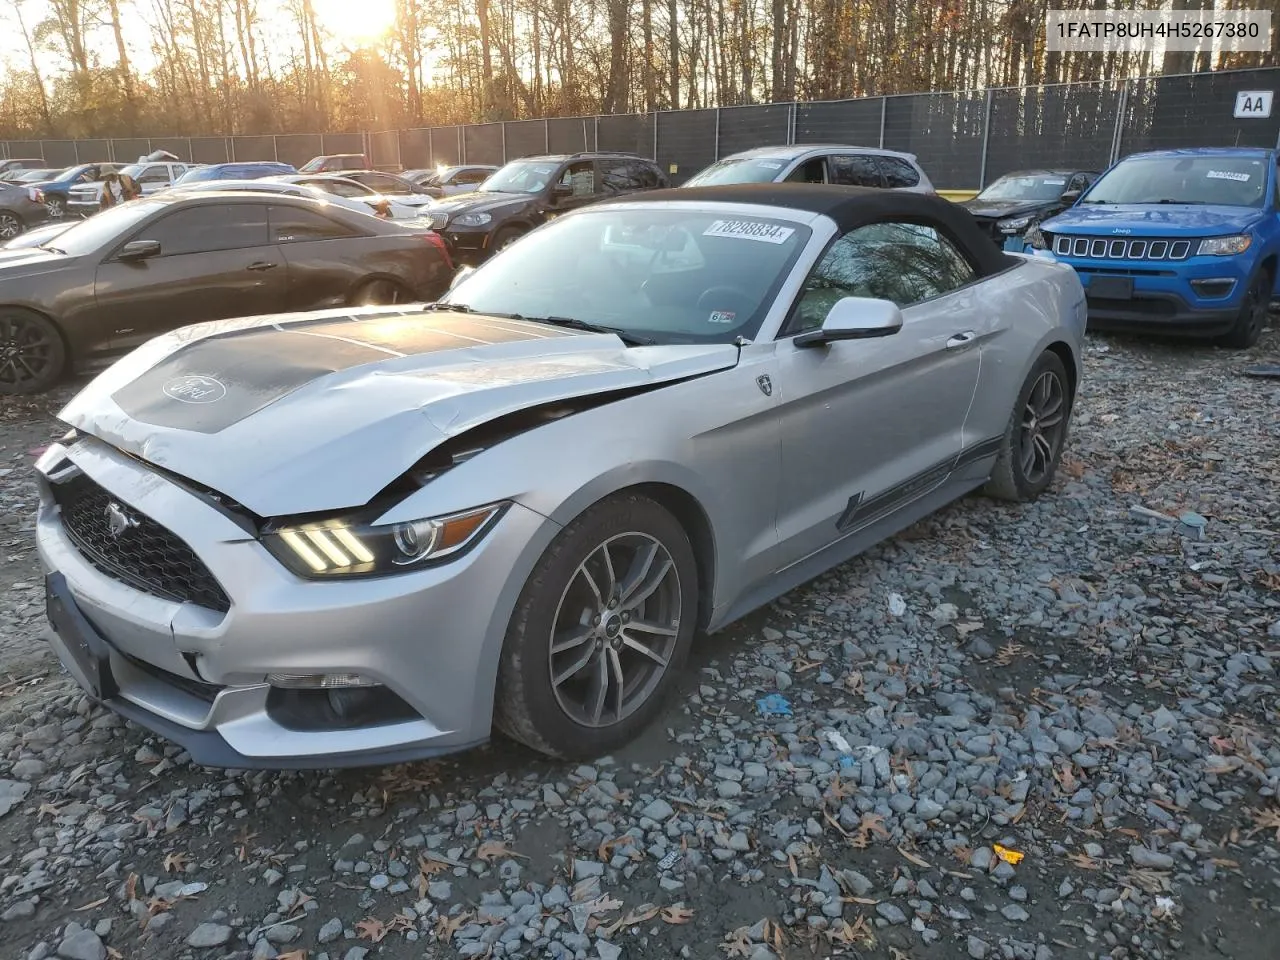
(963,140)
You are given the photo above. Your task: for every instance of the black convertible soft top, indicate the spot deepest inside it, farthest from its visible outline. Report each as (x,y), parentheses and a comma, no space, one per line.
(852,207)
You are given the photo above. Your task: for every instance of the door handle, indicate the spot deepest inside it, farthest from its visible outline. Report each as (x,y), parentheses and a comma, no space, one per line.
(960,339)
(261,265)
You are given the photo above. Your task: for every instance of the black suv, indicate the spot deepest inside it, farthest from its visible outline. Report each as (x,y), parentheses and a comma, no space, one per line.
(532,190)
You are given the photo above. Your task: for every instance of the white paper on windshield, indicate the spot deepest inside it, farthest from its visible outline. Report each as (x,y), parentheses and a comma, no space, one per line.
(1229,175)
(1054,181)
(749,230)
(722,316)
(543,168)
(770,165)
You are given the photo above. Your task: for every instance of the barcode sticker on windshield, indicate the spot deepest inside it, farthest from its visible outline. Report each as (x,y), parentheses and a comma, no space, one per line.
(1229,175)
(748,230)
(1054,181)
(770,164)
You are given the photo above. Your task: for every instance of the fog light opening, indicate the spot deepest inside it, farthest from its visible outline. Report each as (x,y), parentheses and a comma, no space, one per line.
(319,681)
(350,703)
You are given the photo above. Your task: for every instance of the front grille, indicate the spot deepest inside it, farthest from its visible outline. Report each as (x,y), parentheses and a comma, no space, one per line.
(438,220)
(1103,248)
(144,555)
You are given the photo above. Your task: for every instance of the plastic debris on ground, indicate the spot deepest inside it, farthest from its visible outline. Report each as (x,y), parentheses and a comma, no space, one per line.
(1009,856)
(897,606)
(775,704)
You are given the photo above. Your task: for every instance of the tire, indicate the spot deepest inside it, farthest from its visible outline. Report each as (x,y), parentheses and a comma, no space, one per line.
(11,225)
(505,237)
(33,356)
(1011,478)
(57,207)
(379,293)
(557,601)
(1253,313)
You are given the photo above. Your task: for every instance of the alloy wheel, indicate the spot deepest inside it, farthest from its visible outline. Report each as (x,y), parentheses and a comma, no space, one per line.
(615,629)
(379,293)
(10,226)
(56,208)
(1044,424)
(26,351)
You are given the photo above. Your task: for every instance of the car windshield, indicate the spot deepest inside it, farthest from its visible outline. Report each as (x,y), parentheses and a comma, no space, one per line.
(89,235)
(1032,189)
(134,170)
(313,166)
(658,274)
(34,176)
(522,176)
(1222,179)
(740,170)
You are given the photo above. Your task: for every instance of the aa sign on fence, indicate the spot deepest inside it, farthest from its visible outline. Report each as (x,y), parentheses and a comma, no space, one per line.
(1254,104)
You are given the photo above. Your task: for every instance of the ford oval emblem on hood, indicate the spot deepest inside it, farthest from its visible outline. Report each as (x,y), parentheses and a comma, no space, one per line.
(194,389)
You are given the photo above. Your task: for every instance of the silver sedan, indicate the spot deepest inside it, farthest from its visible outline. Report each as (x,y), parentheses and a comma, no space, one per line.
(357,537)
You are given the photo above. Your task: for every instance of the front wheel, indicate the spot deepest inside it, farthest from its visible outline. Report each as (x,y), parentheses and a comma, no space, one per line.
(1247,329)
(505,238)
(601,631)
(10,225)
(1036,433)
(56,207)
(32,354)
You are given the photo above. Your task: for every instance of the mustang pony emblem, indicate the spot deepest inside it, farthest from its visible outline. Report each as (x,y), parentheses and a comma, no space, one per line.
(117,520)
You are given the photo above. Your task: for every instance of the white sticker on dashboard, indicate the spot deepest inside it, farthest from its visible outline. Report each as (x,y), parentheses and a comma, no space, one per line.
(770,165)
(748,230)
(1054,181)
(721,316)
(1229,175)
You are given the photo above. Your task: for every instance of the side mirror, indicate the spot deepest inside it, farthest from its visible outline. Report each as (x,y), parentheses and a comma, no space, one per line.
(560,191)
(1071,196)
(461,274)
(855,318)
(139,250)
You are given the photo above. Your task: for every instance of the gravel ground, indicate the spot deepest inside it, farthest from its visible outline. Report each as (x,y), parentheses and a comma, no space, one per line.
(1012,732)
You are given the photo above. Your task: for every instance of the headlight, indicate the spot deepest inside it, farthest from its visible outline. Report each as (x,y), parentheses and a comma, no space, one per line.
(1224,246)
(472,219)
(1036,238)
(1008,226)
(347,547)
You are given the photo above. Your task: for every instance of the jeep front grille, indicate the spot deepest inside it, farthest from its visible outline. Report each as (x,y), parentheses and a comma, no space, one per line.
(1104,248)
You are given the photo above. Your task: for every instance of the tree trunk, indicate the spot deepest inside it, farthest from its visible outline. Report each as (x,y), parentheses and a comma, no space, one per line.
(674,17)
(35,68)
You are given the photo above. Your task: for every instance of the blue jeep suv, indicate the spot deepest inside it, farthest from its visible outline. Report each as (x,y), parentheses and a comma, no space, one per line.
(1181,241)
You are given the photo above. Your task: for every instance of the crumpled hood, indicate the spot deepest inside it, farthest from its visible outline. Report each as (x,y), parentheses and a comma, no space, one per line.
(299,413)
(477,202)
(999,209)
(1154,220)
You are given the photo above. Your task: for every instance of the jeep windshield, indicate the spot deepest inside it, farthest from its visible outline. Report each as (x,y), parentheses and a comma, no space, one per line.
(1226,180)
(1029,189)
(523,176)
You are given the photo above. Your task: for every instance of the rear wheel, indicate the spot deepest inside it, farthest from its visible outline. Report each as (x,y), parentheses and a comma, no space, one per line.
(1253,314)
(32,354)
(10,225)
(1035,435)
(601,631)
(380,293)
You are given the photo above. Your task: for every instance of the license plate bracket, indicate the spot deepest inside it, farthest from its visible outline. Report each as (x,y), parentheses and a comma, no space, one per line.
(1111,288)
(86,649)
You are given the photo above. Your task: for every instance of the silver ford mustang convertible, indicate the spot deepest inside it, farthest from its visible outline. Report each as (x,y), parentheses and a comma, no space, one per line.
(361,537)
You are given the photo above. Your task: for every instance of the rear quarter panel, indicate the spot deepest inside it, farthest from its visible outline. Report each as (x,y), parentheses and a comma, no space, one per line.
(325,273)
(1033,306)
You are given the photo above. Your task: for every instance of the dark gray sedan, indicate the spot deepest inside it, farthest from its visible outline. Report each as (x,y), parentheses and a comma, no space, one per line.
(146,267)
(21,208)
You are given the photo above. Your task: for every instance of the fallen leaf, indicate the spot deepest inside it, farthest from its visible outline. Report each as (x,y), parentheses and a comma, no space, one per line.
(131,887)
(916,860)
(371,928)
(642,913)
(96,903)
(446,927)
(1084,861)
(676,915)
(737,944)
(292,955)
(176,862)
(491,850)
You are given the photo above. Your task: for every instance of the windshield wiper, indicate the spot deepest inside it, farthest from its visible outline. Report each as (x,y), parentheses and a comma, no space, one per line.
(630,339)
(1189,203)
(450,307)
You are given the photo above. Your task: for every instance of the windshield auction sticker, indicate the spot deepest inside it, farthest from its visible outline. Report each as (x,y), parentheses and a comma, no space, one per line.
(1228,175)
(749,230)
(1206,31)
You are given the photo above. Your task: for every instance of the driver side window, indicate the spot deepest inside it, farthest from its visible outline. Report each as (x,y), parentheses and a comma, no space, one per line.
(811,171)
(580,178)
(902,262)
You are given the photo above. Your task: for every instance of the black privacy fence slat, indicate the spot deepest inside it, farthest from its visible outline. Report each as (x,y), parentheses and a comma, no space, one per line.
(525,138)
(963,140)
(483,143)
(745,128)
(1066,126)
(855,122)
(686,142)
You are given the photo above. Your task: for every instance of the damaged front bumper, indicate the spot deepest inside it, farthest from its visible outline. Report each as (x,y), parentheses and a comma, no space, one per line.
(209,679)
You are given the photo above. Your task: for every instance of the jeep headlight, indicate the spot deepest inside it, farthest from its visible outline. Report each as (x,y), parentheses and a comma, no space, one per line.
(1016,223)
(472,219)
(1224,246)
(343,547)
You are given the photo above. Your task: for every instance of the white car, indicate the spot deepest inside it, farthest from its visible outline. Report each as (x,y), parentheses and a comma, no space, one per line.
(341,185)
(371,204)
(842,164)
(85,199)
(446,181)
